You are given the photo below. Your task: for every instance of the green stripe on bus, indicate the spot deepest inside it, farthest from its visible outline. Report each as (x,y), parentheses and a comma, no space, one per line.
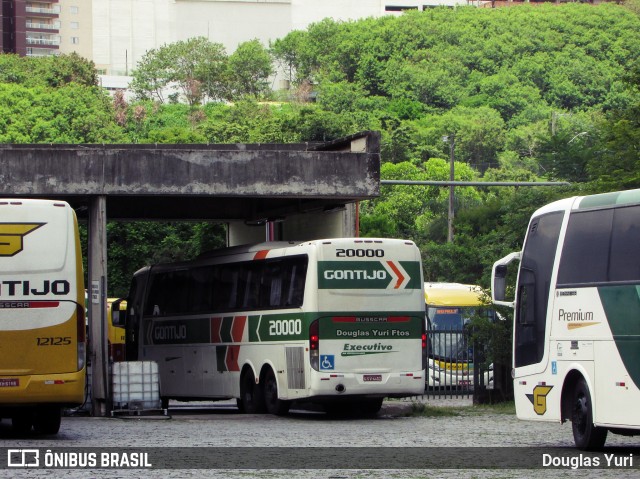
(225,329)
(337,325)
(622,308)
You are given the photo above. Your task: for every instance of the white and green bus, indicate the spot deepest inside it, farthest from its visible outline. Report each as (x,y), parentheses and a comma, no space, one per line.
(338,322)
(576,351)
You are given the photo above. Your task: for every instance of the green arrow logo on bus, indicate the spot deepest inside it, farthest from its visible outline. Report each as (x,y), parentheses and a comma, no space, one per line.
(369,275)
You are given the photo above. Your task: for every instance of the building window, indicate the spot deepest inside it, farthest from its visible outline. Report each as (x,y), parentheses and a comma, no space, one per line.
(75,40)
(73,10)
(74,25)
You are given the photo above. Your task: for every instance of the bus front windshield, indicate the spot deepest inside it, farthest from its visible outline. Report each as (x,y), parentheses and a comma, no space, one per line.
(446,325)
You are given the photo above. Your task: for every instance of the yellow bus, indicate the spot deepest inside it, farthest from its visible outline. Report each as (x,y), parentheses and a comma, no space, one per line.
(449,308)
(42,320)
(116,334)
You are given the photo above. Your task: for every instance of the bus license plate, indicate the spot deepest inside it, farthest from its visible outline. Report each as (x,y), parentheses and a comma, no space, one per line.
(372,377)
(9,383)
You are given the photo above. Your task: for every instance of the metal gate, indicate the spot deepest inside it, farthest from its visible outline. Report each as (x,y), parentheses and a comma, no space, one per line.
(455,365)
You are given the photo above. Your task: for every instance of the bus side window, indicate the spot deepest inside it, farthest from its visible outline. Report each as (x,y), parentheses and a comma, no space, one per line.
(272,285)
(297,279)
(624,260)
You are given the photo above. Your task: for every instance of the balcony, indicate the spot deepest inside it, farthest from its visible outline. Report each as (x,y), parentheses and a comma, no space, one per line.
(54,10)
(43,26)
(41,52)
(43,41)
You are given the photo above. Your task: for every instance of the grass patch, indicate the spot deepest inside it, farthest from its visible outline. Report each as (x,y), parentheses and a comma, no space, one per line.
(508,408)
(419,409)
(424,410)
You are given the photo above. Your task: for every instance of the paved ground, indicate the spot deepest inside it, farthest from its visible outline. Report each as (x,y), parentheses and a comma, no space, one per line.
(201,425)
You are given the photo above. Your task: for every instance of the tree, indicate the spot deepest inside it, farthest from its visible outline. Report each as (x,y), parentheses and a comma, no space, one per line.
(53,71)
(286,52)
(196,68)
(66,69)
(249,69)
(616,162)
(70,114)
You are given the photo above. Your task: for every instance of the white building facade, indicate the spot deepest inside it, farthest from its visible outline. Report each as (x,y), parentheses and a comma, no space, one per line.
(124,30)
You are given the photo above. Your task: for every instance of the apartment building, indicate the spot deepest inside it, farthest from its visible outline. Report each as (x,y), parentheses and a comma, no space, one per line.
(76,27)
(46,27)
(31,28)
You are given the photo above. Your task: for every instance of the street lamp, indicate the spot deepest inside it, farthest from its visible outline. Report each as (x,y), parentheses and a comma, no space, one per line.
(451,139)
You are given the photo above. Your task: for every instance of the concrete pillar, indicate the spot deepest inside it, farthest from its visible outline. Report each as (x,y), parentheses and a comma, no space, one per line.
(239,233)
(97,305)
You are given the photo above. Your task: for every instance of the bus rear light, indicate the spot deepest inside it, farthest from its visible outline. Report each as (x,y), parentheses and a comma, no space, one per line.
(54,381)
(424,350)
(314,345)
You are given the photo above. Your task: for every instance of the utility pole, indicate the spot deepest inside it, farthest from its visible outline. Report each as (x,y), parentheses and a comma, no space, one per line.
(452,146)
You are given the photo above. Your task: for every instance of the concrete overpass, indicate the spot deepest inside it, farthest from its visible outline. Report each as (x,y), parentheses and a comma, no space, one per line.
(306,189)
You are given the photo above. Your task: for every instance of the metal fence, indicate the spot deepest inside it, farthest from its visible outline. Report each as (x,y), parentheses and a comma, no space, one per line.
(455,365)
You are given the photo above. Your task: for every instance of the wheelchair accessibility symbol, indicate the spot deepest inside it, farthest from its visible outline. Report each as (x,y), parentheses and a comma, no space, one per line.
(327,361)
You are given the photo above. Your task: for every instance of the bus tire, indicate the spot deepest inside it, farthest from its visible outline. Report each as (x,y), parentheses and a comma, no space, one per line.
(371,407)
(274,405)
(47,420)
(22,422)
(585,435)
(251,394)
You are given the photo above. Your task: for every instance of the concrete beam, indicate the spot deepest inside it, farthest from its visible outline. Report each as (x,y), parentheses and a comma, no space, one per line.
(188,181)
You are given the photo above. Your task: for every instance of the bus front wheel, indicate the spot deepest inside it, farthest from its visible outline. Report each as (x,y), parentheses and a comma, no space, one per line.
(274,405)
(585,435)
(251,394)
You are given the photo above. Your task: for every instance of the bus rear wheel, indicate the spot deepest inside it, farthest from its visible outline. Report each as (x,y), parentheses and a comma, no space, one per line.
(47,420)
(371,407)
(585,435)
(274,405)
(22,422)
(251,394)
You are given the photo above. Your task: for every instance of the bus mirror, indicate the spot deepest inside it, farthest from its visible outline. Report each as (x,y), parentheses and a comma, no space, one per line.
(500,283)
(499,279)
(118,317)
